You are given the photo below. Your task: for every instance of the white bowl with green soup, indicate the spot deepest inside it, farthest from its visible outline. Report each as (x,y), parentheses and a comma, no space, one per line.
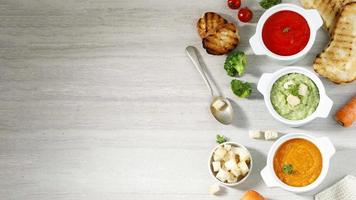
(294,96)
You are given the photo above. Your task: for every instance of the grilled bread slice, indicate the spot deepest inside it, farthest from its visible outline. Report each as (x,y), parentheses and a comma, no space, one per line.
(328,9)
(338,61)
(223,41)
(219,36)
(209,23)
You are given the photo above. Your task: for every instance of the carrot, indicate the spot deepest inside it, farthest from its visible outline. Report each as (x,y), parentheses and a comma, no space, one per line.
(252,195)
(347,114)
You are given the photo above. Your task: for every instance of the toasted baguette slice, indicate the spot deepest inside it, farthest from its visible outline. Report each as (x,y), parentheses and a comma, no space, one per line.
(338,61)
(328,9)
(209,23)
(223,41)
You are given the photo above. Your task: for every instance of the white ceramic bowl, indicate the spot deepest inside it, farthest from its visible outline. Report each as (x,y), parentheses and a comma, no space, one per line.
(326,148)
(311,16)
(266,82)
(234,144)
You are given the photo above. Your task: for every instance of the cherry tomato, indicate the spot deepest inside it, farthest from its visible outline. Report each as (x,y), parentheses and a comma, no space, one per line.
(245,14)
(234,4)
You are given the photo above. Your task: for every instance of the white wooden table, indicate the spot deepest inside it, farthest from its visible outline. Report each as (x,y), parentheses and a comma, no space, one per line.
(99,101)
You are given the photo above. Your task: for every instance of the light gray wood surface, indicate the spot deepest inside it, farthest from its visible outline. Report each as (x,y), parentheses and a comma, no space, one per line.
(99,101)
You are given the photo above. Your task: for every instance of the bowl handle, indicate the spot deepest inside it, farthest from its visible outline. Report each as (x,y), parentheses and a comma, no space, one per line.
(263,83)
(268,178)
(327,146)
(315,18)
(325,106)
(256,45)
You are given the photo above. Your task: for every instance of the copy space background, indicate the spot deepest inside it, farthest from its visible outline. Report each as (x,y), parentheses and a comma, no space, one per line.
(99,101)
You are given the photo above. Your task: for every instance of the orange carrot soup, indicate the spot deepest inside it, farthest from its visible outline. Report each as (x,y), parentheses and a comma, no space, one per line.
(297,162)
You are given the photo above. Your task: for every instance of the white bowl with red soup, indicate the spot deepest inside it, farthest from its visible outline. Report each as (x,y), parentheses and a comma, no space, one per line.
(298,162)
(286,32)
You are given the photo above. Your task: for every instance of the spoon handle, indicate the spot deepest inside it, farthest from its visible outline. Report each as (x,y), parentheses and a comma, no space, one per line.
(192,54)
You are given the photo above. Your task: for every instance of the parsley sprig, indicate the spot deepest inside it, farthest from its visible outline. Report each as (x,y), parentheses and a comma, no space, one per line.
(220,139)
(288,169)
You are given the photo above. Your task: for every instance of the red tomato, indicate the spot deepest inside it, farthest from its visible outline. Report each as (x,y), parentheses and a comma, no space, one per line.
(244,14)
(234,4)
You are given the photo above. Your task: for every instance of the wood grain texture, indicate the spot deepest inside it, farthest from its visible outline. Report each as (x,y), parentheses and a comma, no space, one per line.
(99,101)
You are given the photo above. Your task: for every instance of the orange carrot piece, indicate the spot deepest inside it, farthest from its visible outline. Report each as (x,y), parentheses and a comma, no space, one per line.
(347,114)
(252,195)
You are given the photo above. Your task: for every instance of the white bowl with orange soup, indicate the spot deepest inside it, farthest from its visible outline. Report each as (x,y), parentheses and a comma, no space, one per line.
(286,32)
(298,162)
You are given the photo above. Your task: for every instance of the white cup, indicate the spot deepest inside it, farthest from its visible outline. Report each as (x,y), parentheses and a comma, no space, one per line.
(234,144)
(266,82)
(314,22)
(326,149)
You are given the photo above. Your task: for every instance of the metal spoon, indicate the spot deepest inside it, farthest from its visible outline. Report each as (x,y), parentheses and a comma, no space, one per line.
(224,113)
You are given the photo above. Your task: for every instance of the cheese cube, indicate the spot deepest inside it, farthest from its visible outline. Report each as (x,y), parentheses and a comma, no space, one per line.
(214,189)
(271,135)
(219,154)
(255,134)
(227,147)
(287,84)
(228,156)
(231,164)
(242,153)
(216,166)
(232,179)
(222,175)
(303,89)
(219,105)
(243,167)
(223,166)
(236,172)
(216,157)
(293,100)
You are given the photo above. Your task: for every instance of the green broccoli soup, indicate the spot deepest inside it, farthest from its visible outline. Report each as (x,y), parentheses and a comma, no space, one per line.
(294,96)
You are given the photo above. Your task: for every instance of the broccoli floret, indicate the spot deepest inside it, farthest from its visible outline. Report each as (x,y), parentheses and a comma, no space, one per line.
(241,89)
(235,63)
(269,3)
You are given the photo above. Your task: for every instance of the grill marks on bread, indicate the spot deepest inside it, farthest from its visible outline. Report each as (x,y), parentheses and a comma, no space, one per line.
(218,36)
(223,41)
(328,9)
(209,23)
(337,62)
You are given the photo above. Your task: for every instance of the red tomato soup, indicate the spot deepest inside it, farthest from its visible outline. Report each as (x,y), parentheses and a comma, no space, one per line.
(285,33)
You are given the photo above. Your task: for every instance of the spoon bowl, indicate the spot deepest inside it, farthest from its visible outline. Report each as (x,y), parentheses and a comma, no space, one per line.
(220,107)
(225,114)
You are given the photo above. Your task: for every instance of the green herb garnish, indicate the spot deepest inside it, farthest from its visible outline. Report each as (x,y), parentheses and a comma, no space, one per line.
(294,89)
(288,169)
(286,30)
(269,3)
(220,139)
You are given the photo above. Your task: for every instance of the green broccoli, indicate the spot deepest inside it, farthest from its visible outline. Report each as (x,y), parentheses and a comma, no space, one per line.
(235,63)
(269,3)
(241,89)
